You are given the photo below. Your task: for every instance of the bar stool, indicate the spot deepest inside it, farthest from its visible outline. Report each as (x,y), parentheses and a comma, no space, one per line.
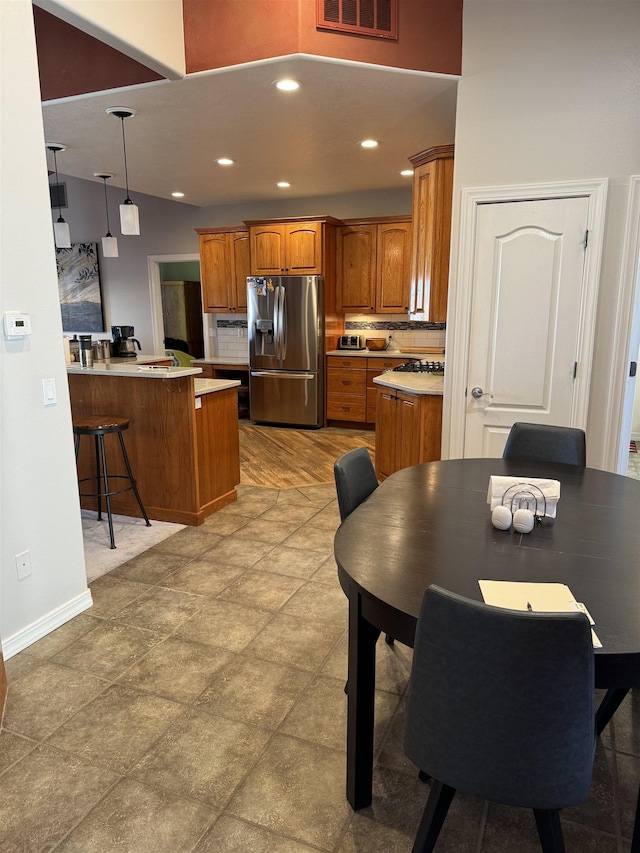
(98,426)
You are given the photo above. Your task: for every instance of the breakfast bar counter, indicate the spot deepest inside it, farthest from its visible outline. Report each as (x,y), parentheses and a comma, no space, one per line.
(182,439)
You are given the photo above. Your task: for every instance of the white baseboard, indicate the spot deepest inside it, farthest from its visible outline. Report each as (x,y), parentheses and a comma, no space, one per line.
(37,630)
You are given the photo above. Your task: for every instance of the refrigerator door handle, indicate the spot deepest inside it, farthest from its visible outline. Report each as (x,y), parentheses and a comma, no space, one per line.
(283,323)
(277,323)
(281,374)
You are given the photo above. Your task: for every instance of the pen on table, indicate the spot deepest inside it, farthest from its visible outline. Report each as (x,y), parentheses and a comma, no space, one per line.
(529,607)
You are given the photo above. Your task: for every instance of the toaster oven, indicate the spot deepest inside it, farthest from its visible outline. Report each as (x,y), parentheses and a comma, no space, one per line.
(351,342)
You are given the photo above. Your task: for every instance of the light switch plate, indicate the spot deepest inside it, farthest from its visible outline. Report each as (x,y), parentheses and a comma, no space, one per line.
(49,396)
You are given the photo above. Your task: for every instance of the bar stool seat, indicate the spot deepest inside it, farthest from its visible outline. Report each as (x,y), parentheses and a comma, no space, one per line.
(98,426)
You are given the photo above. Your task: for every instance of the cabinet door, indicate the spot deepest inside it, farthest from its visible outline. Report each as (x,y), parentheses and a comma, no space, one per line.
(267,249)
(240,268)
(356,258)
(214,272)
(432,192)
(408,426)
(386,432)
(393,268)
(303,249)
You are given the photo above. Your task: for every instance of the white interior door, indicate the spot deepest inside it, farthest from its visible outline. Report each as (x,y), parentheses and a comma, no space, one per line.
(526,318)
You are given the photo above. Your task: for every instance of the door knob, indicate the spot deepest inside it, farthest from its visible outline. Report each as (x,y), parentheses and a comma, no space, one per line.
(477,393)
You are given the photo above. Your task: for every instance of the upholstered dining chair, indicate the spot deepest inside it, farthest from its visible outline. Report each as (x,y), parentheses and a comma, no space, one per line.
(543,443)
(501,706)
(355,479)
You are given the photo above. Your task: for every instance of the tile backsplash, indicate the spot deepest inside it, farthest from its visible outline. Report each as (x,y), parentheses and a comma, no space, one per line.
(403,332)
(231,342)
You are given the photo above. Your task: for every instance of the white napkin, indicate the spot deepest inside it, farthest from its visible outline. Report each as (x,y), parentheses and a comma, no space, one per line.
(549,488)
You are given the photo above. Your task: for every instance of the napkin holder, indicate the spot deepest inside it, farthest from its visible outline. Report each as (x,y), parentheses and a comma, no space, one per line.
(522,504)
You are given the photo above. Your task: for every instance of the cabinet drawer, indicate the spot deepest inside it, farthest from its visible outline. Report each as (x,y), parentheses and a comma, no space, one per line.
(346,381)
(346,361)
(382,364)
(343,407)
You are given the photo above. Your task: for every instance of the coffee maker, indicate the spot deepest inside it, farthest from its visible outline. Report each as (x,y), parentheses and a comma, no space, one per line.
(124,344)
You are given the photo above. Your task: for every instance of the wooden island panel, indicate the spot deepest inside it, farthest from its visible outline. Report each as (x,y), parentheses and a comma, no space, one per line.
(171,445)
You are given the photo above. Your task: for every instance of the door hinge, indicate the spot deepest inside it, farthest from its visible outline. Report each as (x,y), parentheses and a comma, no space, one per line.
(633,367)
(575,369)
(586,239)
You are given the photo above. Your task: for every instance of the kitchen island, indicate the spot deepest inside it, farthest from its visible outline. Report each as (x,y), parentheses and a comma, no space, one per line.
(182,440)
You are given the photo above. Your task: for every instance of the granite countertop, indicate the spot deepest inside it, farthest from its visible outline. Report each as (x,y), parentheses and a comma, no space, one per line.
(133,368)
(412,383)
(223,362)
(365,353)
(207,386)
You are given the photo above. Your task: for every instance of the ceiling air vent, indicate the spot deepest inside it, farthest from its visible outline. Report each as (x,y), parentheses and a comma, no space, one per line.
(375,18)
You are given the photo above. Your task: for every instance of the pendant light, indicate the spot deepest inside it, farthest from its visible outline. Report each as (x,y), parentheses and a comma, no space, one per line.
(109,242)
(61,233)
(129,216)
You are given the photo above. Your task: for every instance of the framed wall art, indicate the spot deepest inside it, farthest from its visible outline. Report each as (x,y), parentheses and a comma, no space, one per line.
(79,288)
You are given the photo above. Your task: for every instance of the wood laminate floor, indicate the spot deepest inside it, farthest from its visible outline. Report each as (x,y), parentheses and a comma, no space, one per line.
(284,458)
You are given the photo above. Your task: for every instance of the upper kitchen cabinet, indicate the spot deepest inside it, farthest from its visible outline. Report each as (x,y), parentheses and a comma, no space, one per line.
(432,193)
(373,261)
(286,248)
(224,267)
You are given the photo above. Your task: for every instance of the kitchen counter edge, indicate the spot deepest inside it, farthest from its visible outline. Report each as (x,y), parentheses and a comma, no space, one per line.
(412,383)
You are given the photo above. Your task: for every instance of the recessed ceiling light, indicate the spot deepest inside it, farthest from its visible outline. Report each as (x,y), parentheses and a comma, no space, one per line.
(406,173)
(287,85)
(369,143)
(178,195)
(225,161)
(283,184)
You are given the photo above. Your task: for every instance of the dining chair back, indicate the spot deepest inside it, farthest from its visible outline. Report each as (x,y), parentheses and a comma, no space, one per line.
(355,479)
(501,706)
(545,443)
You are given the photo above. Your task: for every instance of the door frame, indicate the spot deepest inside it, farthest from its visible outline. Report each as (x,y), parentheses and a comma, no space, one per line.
(461,296)
(626,340)
(155,297)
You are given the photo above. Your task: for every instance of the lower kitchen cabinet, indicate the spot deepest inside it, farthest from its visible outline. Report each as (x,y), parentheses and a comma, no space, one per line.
(351,394)
(408,429)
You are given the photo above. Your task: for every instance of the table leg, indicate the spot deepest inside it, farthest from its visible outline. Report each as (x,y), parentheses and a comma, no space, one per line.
(360,705)
(609,705)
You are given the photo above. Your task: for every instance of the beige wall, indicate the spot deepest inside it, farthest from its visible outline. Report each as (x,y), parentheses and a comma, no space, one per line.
(550,91)
(39,504)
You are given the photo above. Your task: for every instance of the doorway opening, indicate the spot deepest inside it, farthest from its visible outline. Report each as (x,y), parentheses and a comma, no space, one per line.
(178,321)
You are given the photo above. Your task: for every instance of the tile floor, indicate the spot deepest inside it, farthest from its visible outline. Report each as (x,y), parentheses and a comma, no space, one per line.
(199,706)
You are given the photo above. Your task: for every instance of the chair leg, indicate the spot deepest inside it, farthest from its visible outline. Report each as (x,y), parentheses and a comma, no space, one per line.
(635,841)
(549,830)
(609,705)
(107,497)
(96,442)
(131,480)
(433,817)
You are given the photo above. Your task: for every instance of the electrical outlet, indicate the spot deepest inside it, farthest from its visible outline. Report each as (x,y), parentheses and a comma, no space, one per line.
(23,565)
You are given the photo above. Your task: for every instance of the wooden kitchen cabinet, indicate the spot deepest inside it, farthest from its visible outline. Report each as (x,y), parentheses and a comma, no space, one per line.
(408,429)
(286,248)
(224,267)
(351,394)
(432,197)
(373,261)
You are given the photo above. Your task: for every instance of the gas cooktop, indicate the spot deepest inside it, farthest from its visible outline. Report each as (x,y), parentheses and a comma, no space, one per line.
(420,367)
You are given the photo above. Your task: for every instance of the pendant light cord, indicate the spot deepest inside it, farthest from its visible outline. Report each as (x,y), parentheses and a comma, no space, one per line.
(55,166)
(126,173)
(106,207)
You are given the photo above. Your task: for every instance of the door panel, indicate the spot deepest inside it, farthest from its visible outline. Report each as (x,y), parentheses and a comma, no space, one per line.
(525,322)
(302,333)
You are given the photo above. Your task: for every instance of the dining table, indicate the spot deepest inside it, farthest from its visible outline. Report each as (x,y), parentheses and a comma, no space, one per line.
(431,524)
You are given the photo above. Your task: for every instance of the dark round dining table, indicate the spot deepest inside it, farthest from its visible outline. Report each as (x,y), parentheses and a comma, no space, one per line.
(431,524)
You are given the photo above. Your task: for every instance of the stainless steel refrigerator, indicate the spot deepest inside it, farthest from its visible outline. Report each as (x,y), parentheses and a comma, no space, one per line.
(285,317)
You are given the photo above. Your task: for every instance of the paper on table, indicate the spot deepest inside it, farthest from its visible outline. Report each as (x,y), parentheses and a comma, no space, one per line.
(543,597)
(550,489)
